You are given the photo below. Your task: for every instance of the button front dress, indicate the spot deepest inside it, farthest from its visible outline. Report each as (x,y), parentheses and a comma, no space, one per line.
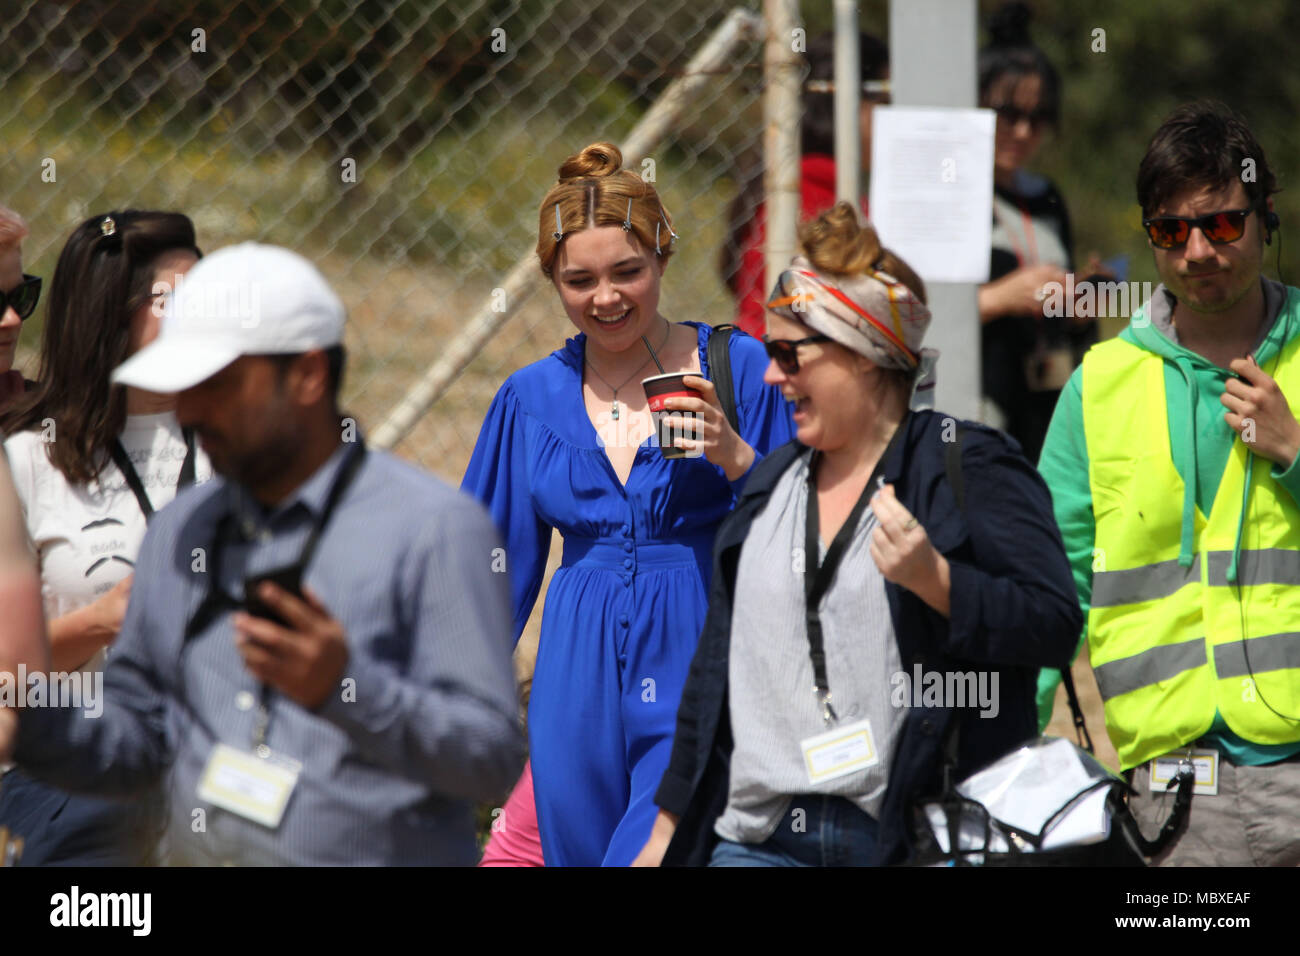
(625,609)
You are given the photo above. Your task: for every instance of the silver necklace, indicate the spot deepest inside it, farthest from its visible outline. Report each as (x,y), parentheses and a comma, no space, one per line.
(613,409)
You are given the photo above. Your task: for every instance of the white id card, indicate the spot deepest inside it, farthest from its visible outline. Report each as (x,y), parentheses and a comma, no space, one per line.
(256,788)
(839,751)
(1206,762)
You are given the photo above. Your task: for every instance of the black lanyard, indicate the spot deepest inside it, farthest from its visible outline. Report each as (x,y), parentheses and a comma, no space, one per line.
(123,462)
(217,600)
(817,577)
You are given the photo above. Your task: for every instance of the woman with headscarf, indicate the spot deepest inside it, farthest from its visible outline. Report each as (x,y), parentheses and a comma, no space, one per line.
(882,553)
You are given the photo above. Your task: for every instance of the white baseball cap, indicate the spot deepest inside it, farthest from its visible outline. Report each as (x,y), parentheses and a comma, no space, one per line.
(248,299)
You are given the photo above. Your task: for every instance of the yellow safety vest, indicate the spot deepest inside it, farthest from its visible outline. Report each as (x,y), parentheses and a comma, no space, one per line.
(1170,645)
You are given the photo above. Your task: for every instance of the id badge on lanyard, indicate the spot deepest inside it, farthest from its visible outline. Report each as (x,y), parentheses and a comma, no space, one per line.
(841,749)
(257,783)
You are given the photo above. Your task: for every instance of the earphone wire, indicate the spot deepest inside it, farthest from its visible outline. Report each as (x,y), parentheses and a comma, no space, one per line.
(1241,607)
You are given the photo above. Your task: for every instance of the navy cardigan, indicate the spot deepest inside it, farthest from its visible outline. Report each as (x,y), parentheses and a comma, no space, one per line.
(1014,609)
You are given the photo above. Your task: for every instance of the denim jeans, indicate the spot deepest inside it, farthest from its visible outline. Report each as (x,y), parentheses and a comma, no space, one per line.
(65,829)
(815,831)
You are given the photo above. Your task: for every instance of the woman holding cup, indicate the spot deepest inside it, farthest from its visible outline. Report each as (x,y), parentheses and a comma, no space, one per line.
(570,444)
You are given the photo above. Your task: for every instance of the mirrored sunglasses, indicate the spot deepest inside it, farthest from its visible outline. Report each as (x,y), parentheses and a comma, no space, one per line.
(1169,231)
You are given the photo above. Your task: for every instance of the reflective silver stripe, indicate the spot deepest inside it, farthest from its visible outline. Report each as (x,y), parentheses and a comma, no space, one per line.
(1272,652)
(1147,583)
(1157,664)
(1266,566)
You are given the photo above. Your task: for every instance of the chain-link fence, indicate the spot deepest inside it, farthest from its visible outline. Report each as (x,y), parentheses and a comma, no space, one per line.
(403,145)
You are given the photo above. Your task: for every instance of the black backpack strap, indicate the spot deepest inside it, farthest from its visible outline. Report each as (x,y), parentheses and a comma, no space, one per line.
(951,800)
(952,465)
(1076,712)
(719,355)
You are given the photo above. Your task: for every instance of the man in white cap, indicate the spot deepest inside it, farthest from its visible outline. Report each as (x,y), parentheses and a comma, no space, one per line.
(317,646)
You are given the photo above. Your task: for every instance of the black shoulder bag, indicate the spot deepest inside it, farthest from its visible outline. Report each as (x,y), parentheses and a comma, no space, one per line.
(976,835)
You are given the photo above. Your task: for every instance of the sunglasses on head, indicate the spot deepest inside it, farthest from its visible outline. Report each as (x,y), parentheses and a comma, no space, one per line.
(1169,231)
(785,352)
(1012,115)
(23,297)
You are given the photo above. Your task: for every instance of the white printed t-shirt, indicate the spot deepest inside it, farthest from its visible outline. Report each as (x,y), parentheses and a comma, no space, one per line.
(86,537)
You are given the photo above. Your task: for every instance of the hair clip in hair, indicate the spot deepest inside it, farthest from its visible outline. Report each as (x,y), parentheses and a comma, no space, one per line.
(664,217)
(627,220)
(559,227)
(107,226)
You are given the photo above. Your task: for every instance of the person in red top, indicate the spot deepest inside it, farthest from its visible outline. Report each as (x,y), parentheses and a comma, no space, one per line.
(741,262)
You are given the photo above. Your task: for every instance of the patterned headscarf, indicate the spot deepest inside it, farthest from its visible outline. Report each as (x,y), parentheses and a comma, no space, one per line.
(872,314)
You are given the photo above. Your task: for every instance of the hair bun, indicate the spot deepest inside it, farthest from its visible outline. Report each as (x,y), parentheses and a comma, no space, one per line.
(1009,26)
(598,159)
(836,242)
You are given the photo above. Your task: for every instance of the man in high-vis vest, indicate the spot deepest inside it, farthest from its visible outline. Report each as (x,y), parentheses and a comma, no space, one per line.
(1171,458)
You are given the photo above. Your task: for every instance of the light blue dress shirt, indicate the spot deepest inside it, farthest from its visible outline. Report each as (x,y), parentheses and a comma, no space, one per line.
(423,725)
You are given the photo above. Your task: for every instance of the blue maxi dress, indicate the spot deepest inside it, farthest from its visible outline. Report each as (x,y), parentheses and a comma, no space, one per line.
(624,610)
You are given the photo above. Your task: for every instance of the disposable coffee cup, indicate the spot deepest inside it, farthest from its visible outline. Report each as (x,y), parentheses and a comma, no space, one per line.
(658,389)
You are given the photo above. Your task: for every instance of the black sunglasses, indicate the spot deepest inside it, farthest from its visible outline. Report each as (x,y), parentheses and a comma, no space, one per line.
(1012,115)
(23,297)
(1169,231)
(785,352)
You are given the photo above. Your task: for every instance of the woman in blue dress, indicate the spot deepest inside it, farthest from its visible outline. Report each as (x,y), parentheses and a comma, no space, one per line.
(569,444)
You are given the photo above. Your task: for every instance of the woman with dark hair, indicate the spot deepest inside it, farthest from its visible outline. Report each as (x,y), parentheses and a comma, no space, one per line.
(1026,356)
(741,262)
(91,463)
(881,545)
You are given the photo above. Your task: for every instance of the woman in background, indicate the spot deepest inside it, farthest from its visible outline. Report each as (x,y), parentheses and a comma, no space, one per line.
(1026,357)
(91,463)
(742,262)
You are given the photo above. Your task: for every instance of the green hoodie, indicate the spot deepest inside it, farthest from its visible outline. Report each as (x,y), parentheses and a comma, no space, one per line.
(1200,440)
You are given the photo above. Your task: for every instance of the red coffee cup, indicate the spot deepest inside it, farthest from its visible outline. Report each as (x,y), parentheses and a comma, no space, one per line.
(658,389)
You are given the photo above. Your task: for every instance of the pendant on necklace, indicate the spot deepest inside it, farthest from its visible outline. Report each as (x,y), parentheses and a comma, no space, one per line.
(614,409)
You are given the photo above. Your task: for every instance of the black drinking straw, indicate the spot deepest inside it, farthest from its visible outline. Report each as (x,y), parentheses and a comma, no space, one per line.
(651,349)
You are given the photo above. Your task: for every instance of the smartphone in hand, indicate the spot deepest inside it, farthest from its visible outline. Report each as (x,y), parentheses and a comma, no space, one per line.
(290,579)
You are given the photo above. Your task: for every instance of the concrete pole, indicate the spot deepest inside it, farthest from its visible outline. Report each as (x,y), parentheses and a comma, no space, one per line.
(848,100)
(782,69)
(932,46)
